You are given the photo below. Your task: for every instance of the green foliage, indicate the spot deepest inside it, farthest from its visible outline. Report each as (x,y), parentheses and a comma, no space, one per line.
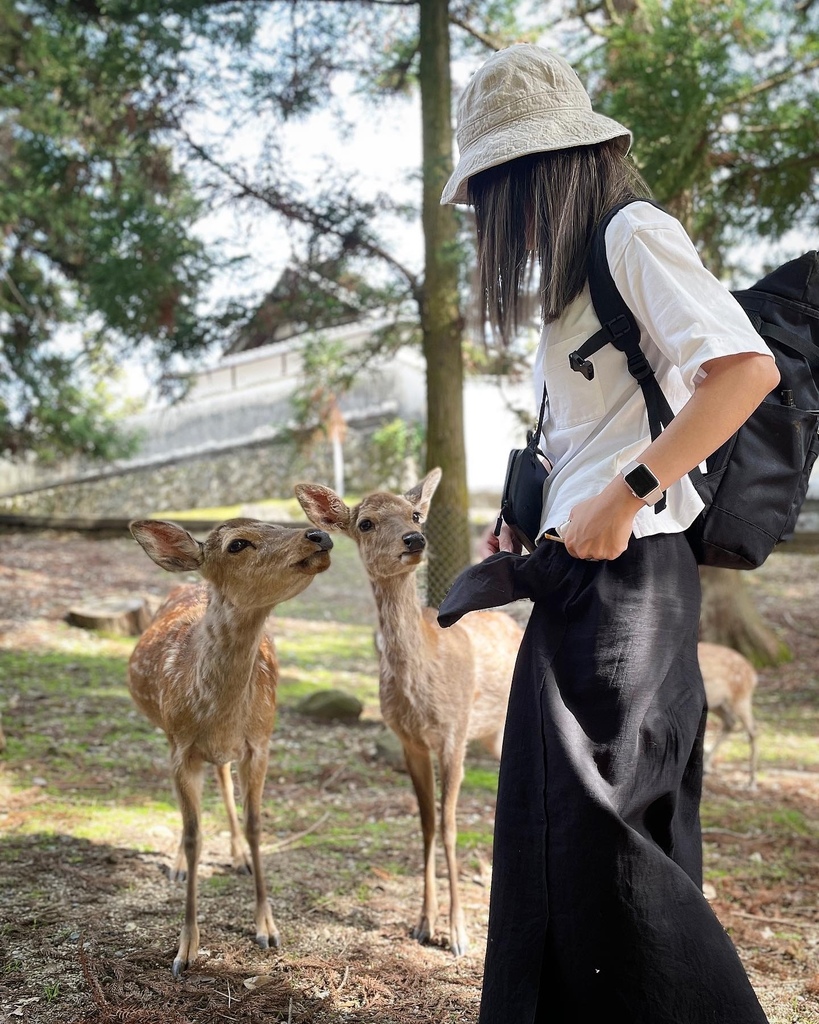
(394,448)
(330,368)
(723,99)
(96,221)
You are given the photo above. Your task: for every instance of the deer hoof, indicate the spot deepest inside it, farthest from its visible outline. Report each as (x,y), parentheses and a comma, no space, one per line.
(460,946)
(267,934)
(188,949)
(266,941)
(422,932)
(242,863)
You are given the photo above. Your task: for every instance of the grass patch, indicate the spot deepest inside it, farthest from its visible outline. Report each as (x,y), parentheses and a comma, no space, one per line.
(479,779)
(765,819)
(323,656)
(274,509)
(341,595)
(336,644)
(470,840)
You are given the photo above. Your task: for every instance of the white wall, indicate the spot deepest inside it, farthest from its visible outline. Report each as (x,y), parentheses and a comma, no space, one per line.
(492,427)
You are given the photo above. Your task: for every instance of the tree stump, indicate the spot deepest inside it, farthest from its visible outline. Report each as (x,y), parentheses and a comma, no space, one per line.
(729,617)
(123,616)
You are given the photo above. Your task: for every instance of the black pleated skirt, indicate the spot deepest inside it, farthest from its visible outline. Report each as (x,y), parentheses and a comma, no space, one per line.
(596,907)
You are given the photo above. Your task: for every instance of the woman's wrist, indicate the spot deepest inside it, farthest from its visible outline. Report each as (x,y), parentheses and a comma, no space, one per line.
(622,497)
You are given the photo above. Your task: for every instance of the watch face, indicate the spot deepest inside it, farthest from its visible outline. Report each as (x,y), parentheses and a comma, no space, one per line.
(642,481)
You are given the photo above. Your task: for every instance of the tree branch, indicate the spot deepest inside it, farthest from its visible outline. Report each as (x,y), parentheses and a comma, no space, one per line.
(595,30)
(773,82)
(301,213)
(491,42)
(743,171)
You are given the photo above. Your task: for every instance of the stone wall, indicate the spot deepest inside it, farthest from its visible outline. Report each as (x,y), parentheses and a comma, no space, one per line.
(247,474)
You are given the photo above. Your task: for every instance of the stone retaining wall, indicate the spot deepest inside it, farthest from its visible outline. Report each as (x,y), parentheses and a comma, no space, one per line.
(247,474)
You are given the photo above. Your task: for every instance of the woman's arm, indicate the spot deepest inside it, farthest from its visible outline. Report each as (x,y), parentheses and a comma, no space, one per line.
(735,385)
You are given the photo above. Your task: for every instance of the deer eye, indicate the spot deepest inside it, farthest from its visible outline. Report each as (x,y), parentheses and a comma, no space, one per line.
(238,545)
(416,517)
(365,525)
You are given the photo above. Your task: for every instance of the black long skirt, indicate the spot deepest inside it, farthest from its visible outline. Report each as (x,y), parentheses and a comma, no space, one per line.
(596,909)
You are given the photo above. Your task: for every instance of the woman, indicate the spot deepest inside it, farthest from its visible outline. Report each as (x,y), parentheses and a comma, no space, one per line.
(596,910)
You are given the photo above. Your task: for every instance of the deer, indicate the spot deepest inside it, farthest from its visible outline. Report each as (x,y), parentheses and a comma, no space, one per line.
(438,688)
(730,680)
(205,672)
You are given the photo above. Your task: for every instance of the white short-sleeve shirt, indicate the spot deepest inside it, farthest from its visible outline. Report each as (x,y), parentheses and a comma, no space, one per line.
(593,428)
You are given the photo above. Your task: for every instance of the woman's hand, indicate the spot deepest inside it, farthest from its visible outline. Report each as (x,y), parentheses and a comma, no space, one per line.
(599,528)
(490,544)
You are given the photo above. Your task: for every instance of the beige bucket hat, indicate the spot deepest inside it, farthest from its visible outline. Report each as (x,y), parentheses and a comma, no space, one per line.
(524,99)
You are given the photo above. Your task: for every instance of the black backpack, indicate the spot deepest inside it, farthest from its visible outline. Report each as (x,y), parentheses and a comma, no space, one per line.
(755,483)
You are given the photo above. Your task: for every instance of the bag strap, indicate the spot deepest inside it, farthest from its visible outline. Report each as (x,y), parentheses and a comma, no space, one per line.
(619,328)
(533,440)
(782,335)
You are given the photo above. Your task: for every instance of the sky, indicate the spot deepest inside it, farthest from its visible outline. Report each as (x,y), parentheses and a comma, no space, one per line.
(382,153)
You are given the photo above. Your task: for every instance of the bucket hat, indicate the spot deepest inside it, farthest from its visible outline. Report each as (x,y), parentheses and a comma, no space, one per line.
(524,99)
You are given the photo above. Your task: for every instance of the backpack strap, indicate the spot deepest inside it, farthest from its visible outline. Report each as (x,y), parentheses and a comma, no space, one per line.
(619,328)
(781,335)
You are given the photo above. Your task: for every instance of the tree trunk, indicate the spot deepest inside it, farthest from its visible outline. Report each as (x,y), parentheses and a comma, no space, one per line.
(729,617)
(441,321)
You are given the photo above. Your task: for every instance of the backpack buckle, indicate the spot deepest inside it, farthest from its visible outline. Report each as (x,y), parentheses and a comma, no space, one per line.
(638,366)
(581,365)
(618,326)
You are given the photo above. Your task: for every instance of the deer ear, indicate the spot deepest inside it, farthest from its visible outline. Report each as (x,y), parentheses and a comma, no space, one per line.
(421,494)
(168,544)
(323,507)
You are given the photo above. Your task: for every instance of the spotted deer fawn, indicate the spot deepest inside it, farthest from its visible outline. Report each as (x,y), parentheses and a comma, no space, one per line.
(205,672)
(438,688)
(729,680)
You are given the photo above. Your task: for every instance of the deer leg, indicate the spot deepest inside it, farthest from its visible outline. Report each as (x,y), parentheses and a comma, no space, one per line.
(419,765)
(726,725)
(754,758)
(188,777)
(252,771)
(746,716)
(494,744)
(239,853)
(452,773)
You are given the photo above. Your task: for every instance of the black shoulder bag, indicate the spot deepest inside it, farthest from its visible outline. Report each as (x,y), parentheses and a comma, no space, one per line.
(522,499)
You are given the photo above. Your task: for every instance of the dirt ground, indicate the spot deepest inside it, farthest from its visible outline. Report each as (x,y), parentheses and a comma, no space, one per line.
(89,920)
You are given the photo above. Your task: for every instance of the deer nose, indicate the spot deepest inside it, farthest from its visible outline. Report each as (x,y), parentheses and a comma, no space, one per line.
(321,538)
(414,541)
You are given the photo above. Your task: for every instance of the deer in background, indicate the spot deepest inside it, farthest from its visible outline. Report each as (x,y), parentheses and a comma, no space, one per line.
(205,672)
(438,688)
(730,680)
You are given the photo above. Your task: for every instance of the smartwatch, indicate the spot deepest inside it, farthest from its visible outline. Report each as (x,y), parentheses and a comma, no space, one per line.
(642,483)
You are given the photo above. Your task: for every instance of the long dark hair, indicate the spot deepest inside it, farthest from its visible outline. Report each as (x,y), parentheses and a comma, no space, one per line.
(543,208)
